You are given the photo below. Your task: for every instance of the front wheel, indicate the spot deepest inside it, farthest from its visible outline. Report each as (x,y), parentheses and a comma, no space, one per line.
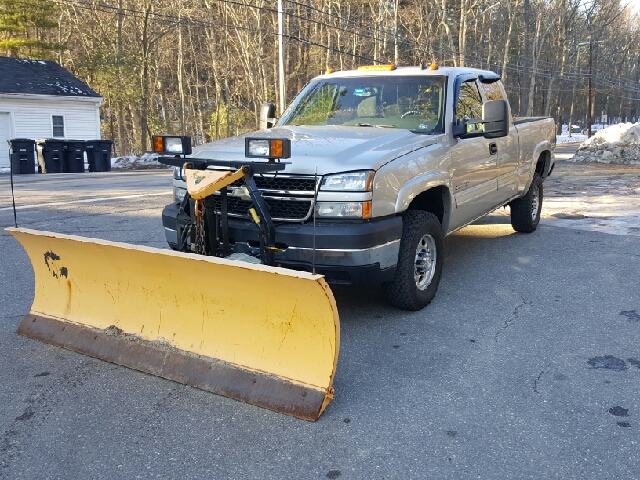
(419,262)
(525,211)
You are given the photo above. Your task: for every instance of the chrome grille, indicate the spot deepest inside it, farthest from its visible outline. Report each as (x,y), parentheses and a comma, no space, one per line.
(289,198)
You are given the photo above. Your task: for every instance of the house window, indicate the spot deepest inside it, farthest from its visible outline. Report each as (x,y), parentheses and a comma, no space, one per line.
(58,125)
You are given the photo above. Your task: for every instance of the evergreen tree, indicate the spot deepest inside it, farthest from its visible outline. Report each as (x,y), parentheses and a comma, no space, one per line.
(24,25)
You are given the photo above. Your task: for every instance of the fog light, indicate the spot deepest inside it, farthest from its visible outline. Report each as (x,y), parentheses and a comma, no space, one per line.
(178,194)
(344,209)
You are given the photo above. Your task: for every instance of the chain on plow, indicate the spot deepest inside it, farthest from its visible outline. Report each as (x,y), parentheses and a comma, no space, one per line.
(200,246)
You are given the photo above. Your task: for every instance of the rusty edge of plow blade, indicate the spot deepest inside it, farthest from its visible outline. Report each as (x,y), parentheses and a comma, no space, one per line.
(267,336)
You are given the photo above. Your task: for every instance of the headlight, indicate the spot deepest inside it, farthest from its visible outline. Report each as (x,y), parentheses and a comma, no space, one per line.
(178,173)
(267,147)
(344,209)
(258,148)
(178,194)
(172,144)
(348,182)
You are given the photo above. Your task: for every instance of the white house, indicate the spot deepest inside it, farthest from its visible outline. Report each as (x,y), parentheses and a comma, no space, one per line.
(40,99)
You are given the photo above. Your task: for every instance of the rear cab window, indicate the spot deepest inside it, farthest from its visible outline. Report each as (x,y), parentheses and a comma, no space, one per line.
(492,91)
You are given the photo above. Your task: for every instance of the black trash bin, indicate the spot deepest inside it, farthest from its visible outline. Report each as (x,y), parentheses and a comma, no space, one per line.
(23,158)
(99,155)
(50,155)
(74,156)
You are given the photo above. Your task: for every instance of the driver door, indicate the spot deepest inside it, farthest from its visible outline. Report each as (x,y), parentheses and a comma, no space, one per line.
(474,170)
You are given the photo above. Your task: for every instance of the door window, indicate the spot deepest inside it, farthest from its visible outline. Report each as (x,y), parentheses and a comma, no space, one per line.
(469,105)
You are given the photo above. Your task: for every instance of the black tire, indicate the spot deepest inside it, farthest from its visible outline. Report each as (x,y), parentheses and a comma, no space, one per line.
(405,292)
(525,211)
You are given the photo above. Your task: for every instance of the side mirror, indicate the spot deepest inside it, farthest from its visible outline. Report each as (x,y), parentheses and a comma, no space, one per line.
(495,117)
(459,128)
(267,114)
(467,128)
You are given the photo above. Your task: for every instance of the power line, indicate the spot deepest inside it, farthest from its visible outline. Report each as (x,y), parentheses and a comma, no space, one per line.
(544,69)
(603,81)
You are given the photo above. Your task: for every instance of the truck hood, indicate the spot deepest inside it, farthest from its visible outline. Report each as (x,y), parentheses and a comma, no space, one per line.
(330,149)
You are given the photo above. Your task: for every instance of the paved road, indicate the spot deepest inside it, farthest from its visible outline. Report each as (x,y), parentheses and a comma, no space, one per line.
(497,378)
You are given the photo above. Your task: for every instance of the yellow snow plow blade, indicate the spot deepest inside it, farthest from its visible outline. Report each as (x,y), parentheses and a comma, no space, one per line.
(263,335)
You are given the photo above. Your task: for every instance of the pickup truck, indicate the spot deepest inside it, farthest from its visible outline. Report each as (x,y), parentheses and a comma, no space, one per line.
(385,162)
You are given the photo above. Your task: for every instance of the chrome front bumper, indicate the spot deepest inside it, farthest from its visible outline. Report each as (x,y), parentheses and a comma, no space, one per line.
(385,255)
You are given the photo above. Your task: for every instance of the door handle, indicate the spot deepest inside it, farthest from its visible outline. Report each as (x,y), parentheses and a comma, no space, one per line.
(493,149)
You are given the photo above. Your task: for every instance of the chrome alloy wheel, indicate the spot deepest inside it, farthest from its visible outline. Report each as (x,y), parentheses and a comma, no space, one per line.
(535,202)
(425,262)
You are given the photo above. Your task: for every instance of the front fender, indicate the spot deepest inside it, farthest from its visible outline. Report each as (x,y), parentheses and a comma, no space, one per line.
(397,183)
(439,179)
(420,184)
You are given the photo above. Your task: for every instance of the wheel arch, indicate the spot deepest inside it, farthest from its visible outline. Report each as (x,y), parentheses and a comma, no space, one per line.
(433,197)
(543,164)
(542,159)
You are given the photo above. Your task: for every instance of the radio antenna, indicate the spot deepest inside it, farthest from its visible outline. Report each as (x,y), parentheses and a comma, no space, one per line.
(13,197)
(315,202)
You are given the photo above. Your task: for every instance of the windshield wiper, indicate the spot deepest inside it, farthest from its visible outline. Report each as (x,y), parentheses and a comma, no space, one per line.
(372,125)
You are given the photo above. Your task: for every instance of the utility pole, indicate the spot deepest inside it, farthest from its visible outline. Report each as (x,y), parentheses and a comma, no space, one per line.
(590,102)
(180,76)
(281,56)
(575,84)
(526,74)
(396,5)
(121,134)
(589,99)
(226,74)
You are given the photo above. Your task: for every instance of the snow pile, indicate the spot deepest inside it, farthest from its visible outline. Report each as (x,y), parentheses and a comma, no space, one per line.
(5,170)
(136,162)
(619,144)
(623,132)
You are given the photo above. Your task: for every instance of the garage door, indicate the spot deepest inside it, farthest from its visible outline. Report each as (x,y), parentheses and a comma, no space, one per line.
(5,134)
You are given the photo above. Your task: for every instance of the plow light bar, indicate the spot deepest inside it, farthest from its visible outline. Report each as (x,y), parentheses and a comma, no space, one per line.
(171,144)
(267,148)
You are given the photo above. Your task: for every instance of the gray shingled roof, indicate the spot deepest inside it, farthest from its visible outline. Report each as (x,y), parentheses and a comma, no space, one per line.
(40,77)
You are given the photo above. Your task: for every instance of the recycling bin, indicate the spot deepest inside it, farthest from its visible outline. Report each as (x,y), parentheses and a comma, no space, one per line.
(73,156)
(50,155)
(23,158)
(99,155)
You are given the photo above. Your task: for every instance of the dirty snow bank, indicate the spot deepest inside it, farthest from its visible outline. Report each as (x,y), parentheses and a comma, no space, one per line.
(619,144)
(137,162)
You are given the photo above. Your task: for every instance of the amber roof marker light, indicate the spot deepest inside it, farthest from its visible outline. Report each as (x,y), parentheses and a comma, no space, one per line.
(377,67)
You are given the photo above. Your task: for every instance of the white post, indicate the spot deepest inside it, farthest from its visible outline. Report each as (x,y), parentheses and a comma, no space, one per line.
(281,56)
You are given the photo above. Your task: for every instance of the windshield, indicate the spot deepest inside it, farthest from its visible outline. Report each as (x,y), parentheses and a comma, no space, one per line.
(413,103)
